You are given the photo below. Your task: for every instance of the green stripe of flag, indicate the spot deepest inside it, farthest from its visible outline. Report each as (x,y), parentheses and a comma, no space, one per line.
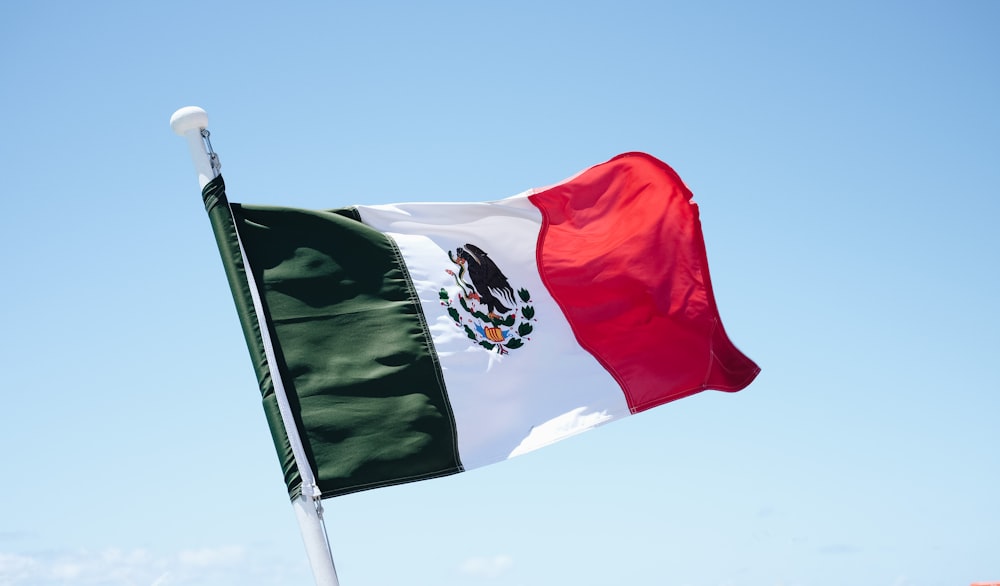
(352,349)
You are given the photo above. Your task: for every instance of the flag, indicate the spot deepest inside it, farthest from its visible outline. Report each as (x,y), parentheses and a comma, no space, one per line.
(423,339)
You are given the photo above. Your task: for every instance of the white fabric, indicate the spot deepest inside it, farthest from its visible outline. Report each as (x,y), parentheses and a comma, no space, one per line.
(504,404)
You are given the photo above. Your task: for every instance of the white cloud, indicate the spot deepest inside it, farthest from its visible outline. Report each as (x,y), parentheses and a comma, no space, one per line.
(212,556)
(118,567)
(487,566)
(109,566)
(14,568)
(840,549)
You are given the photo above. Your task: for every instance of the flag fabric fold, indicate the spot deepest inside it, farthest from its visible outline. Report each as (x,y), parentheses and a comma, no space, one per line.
(419,340)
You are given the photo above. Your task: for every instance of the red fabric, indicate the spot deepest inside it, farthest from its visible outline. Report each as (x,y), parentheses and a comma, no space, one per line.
(622,253)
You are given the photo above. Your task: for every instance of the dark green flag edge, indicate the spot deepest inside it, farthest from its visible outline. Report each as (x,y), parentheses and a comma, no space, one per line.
(224,228)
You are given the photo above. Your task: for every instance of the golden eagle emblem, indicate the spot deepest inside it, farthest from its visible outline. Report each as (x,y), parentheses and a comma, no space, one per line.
(505,325)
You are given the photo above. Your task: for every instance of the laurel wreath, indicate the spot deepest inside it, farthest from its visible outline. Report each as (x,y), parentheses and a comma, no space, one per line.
(523,327)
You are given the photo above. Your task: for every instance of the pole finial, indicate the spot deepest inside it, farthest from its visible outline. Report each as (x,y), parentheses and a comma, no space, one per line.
(189,118)
(191,123)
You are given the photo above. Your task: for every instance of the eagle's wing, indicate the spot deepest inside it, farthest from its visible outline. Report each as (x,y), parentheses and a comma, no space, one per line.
(497,282)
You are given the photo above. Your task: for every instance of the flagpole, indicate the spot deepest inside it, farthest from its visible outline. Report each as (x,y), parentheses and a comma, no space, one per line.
(192,122)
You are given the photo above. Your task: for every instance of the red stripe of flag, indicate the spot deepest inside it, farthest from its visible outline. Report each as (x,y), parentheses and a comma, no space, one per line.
(621,251)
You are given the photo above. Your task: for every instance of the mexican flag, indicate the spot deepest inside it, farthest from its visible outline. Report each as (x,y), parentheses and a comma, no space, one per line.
(422,339)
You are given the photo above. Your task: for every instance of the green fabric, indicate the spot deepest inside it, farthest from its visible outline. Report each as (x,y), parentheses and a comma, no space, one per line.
(352,349)
(214,196)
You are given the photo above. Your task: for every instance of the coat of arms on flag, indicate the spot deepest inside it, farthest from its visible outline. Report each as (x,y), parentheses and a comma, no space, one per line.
(500,328)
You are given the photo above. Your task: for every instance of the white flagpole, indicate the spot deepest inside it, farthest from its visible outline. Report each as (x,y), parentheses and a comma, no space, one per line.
(191,122)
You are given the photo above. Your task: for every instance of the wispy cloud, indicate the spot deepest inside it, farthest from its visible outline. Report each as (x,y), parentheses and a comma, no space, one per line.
(766,512)
(839,549)
(120,567)
(487,566)
(14,567)
(212,556)
(109,566)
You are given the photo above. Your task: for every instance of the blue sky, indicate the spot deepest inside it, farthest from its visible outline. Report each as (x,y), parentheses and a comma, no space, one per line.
(846,160)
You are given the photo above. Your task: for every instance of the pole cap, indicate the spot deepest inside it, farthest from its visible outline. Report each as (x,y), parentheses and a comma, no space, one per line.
(189,118)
